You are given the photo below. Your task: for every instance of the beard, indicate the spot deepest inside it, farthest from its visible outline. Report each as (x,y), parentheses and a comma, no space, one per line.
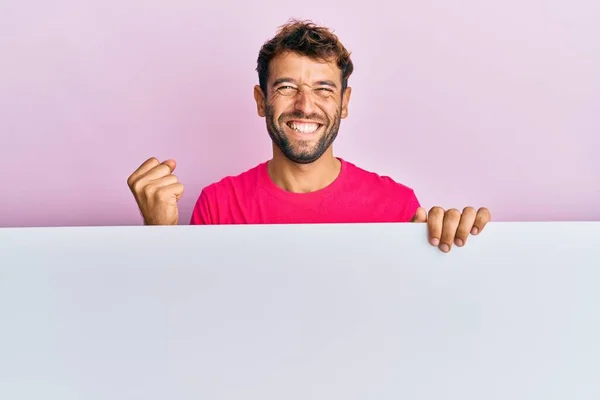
(302,151)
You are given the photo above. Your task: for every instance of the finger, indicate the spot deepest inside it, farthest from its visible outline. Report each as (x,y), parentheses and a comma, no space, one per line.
(465,225)
(155,173)
(483,217)
(161,182)
(142,169)
(434,224)
(142,183)
(170,193)
(450,224)
(420,215)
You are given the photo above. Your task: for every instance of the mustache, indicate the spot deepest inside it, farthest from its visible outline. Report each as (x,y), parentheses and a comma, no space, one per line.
(301,115)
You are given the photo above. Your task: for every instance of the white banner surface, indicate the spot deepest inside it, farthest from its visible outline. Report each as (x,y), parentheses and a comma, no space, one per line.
(298,312)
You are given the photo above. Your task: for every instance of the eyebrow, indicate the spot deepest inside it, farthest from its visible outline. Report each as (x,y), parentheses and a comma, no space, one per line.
(290,80)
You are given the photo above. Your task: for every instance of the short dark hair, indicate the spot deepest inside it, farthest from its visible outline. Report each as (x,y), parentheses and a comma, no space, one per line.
(307,39)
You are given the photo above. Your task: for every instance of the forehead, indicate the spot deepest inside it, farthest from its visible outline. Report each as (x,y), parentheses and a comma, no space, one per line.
(302,68)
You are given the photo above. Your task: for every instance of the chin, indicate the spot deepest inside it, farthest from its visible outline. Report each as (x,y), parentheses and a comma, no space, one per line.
(303,157)
(303,161)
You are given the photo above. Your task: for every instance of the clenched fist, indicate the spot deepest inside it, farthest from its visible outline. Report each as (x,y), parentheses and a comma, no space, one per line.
(156,191)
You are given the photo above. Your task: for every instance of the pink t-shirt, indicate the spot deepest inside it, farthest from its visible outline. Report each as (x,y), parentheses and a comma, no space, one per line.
(355,196)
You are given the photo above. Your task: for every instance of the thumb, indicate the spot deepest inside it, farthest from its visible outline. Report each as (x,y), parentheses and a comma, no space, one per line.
(179,192)
(172,164)
(420,215)
(175,192)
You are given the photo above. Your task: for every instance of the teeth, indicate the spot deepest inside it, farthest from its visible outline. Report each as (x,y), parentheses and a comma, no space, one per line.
(303,127)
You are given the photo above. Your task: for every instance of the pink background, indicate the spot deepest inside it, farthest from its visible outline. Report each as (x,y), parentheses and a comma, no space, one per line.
(469,102)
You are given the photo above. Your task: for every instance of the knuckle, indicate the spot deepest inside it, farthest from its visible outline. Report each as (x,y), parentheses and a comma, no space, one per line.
(448,234)
(453,214)
(469,210)
(149,163)
(462,233)
(162,194)
(436,211)
(137,186)
(149,190)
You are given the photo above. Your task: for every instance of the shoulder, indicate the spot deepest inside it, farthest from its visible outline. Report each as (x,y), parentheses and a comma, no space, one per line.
(382,191)
(245,181)
(374,181)
(219,193)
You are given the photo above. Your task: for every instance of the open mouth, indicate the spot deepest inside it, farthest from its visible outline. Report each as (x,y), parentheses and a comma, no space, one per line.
(303,127)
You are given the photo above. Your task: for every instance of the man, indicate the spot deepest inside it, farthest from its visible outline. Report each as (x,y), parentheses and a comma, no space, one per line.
(303,94)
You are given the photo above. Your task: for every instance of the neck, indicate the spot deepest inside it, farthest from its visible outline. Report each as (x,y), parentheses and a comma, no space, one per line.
(303,178)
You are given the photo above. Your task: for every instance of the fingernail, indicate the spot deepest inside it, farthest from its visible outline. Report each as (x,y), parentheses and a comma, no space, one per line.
(445,248)
(474,231)
(458,242)
(435,241)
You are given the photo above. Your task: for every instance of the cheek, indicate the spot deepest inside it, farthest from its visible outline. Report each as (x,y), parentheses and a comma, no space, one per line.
(333,111)
(279,107)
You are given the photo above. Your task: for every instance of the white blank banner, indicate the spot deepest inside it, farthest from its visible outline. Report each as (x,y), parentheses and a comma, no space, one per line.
(298,312)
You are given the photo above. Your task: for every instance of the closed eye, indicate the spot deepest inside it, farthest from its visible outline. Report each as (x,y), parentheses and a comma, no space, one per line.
(324,92)
(286,88)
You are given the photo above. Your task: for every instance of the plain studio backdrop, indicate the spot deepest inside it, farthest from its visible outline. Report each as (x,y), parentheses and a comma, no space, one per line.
(469,102)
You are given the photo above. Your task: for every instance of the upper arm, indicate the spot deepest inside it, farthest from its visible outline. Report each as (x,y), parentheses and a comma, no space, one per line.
(412,204)
(201,214)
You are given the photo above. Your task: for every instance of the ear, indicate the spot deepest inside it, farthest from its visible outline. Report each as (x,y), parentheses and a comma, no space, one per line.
(259,97)
(345,101)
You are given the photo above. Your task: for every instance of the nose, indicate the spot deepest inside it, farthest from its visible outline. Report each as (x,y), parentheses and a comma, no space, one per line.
(305,101)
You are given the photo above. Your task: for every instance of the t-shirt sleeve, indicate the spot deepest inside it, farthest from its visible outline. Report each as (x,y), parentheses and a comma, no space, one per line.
(201,212)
